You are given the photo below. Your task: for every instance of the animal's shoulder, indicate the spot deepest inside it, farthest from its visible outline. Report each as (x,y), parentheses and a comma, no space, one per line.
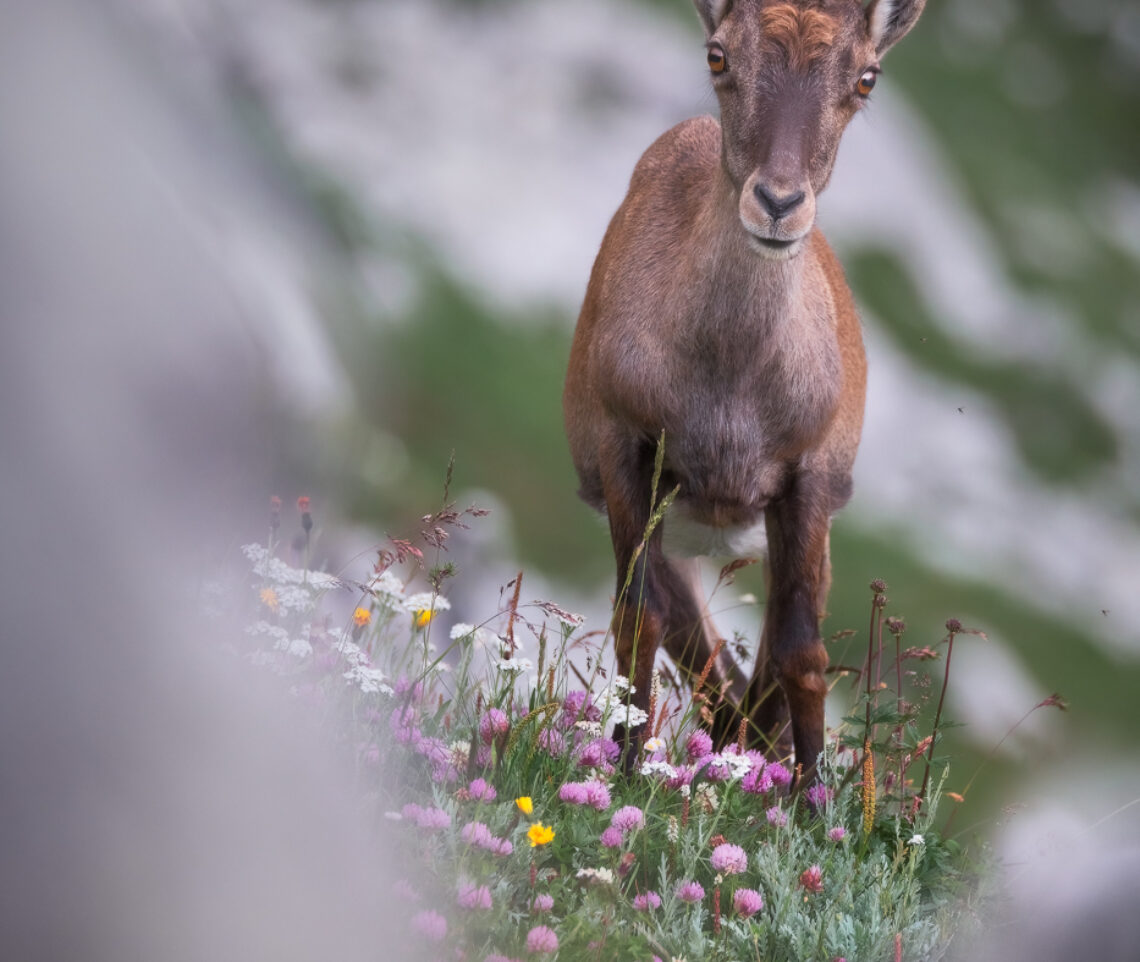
(690,149)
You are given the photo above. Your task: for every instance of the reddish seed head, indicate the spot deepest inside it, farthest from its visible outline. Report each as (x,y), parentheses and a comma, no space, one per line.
(812,879)
(953,625)
(303,504)
(878,586)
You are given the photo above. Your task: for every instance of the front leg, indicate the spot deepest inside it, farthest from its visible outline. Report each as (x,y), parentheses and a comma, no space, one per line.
(792,655)
(640,607)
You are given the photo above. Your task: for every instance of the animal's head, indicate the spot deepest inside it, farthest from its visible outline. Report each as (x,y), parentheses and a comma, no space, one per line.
(790,75)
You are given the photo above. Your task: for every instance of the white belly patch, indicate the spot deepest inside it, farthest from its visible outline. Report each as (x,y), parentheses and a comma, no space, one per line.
(685,538)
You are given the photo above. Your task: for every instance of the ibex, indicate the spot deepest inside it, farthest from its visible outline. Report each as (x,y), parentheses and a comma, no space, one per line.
(718,318)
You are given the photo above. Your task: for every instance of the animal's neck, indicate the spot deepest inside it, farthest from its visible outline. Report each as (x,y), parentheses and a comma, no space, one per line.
(762,287)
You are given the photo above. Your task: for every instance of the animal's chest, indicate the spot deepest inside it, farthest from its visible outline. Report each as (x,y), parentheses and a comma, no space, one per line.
(738,407)
(737,430)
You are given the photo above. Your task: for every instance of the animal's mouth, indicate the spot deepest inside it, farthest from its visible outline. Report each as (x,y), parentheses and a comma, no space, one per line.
(775,245)
(774,248)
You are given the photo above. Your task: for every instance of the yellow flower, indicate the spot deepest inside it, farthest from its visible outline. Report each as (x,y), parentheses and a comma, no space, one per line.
(526,804)
(540,834)
(421,618)
(361,617)
(269,598)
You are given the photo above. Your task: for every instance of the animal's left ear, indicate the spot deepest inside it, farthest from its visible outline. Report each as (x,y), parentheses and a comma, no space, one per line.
(890,20)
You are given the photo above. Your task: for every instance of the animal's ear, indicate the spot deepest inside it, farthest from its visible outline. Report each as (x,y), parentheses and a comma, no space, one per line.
(712,12)
(890,20)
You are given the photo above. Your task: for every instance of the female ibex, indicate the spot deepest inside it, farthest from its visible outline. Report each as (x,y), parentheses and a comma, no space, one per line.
(718,319)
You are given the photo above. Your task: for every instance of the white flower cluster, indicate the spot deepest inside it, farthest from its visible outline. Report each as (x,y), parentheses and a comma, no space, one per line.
(734,766)
(482,638)
(706,796)
(515,664)
(266,565)
(352,652)
(628,715)
(295,598)
(664,769)
(425,601)
(387,589)
(595,876)
(370,680)
(298,647)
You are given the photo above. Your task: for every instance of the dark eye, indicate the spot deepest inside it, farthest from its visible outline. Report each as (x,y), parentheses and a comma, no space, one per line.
(866,83)
(718,62)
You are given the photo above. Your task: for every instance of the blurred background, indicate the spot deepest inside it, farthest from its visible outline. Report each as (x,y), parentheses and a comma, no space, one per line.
(257,247)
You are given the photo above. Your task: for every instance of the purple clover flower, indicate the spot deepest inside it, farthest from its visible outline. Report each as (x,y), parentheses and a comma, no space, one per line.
(404,891)
(472,896)
(837,834)
(431,925)
(780,776)
(433,819)
(597,795)
(493,724)
(729,859)
(599,753)
(550,740)
(717,768)
(481,791)
(777,816)
(684,776)
(476,833)
(647,902)
(543,902)
(611,837)
(758,781)
(628,819)
(747,902)
(818,796)
(541,939)
(699,745)
(573,793)
(577,707)
(690,892)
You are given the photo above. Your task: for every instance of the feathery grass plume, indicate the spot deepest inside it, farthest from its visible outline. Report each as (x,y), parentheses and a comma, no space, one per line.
(868,794)
(698,695)
(512,615)
(651,723)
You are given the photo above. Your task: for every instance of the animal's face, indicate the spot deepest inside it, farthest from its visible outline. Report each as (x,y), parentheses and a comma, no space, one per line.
(790,75)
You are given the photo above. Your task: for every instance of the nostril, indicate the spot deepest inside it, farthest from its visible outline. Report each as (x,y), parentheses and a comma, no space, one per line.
(777,206)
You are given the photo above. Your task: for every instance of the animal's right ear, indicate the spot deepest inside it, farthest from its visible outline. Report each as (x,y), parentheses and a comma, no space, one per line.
(712,12)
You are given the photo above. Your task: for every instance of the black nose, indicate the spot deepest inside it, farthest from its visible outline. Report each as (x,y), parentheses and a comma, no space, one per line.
(777,206)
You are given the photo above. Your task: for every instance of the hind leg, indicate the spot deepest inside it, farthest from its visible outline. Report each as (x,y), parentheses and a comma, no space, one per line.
(689,639)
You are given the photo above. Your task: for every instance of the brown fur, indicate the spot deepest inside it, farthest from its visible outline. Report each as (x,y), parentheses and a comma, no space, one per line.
(804,34)
(716,314)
